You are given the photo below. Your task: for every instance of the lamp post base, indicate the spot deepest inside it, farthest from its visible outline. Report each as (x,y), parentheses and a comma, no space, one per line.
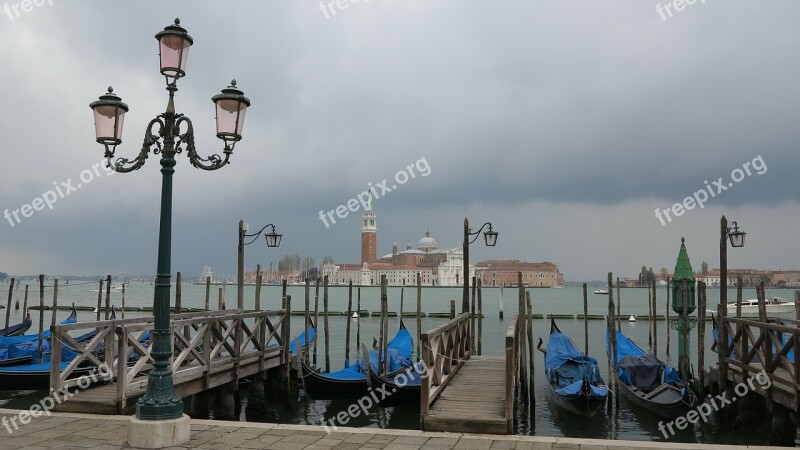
(153,434)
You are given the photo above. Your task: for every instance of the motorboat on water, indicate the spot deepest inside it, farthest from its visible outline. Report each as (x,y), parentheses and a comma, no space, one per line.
(601,292)
(774,305)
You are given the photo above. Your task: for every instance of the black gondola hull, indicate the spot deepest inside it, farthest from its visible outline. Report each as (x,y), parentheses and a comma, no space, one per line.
(666,410)
(34,380)
(319,387)
(581,404)
(390,393)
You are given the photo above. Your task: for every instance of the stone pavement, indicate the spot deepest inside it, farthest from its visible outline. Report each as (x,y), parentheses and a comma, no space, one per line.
(70,431)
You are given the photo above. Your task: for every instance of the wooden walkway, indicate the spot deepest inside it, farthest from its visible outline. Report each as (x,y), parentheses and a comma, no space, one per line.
(474,399)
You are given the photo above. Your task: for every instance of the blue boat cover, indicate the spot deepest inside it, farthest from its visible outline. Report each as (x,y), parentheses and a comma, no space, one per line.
(312,333)
(37,368)
(568,368)
(399,354)
(636,358)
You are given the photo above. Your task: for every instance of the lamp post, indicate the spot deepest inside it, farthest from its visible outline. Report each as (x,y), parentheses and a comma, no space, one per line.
(490,239)
(174,134)
(273,240)
(736,238)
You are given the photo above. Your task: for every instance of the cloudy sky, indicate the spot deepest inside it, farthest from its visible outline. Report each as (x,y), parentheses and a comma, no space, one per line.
(565,123)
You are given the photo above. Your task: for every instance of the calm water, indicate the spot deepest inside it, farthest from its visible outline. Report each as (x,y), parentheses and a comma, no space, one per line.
(546,420)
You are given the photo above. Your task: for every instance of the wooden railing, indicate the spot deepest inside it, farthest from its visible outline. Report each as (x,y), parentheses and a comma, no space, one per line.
(513,336)
(444,351)
(755,346)
(204,344)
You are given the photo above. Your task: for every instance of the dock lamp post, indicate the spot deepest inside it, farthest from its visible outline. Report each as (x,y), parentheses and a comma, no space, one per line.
(273,240)
(736,238)
(174,134)
(490,239)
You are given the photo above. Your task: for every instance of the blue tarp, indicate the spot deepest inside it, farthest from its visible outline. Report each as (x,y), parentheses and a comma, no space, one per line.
(568,368)
(399,355)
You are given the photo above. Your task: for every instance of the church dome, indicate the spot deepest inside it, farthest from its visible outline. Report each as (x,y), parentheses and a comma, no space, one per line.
(427,243)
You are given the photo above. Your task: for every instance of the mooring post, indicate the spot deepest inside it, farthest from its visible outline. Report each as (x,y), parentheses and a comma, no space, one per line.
(221,299)
(402,292)
(613,335)
(480,317)
(25,305)
(307,316)
(208,294)
(41,316)
(122,311)
(739,297)
(385,325)
(650,313)
(99,300)
(666,316)
(655,324)
(108,296)
(523,367)
(766,342)
(259,280)
(796,361)
(500,301)
(701,339)
(358,325)
(619,307)
(8,308)
(177,294)
(348,320)
(585,321)
(287,336)
(472,319)
(55,303)
(327,328)
(531,360)
(316,318)
(452,309)
(419,316)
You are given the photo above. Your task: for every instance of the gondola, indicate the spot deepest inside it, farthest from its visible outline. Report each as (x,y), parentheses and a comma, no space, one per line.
(574,378)
(20,349)
(401,384)
(351,381)
(648,382)
(34,376)
(18,329)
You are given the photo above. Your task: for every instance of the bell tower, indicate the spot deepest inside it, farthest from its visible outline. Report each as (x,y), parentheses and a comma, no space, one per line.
(369,235)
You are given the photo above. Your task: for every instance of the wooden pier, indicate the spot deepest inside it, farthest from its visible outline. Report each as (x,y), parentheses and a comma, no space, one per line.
(210,349)
(465,393)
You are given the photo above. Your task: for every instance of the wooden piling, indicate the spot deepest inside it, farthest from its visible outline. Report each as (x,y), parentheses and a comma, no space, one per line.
(287,366)
(613,341)
(99,300)
(358,325)
(452,309)
(347,326)
(384,326)
(654,321)
(8,308)
(619,308)
(531,360)
(419,316)
(259,280)
(327,328)
(666,315)
(402,291)
(796,353)
(480,317)
(123,301)
(523,366)
(178,298)
(108,297)
(307,316)
(701,338)
(25,305)
(766,341)
(316,317)
(585,321)
(501,302)
(41,316)
(208,294)
(472,319)
(221,299)
(722,341)
(738,298)
(650,314)
(55,303)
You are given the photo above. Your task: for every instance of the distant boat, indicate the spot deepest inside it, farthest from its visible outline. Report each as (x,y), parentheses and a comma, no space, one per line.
(558,286)
(601,292)
(774,305)
(632,318)
(355,315)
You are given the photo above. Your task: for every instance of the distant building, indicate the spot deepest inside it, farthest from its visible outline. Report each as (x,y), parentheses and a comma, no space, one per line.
(505,272)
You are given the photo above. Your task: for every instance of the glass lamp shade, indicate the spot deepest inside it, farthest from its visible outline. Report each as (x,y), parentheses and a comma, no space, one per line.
(173,46)
(273,239)
(109,118)
(231,107)
(736,237)
(490,237)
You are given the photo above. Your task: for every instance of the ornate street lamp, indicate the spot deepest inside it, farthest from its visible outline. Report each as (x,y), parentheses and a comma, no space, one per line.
(490,239)
(736,238)
(273,240)
(168,134)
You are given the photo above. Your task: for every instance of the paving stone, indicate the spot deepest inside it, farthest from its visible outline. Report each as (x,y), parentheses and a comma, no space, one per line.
(442,442)
(504,444)
(348,446)
(413,440)
(355,438)
(473,443)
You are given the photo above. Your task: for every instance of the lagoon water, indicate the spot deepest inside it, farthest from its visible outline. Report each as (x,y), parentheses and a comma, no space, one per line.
(627,423)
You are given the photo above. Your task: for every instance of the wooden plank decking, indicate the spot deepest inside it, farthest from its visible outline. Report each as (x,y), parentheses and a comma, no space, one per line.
(473,401)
